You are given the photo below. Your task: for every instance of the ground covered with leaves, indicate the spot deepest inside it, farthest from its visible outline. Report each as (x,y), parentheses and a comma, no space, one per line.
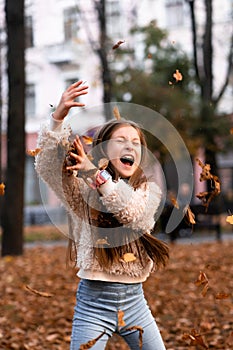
(191,299)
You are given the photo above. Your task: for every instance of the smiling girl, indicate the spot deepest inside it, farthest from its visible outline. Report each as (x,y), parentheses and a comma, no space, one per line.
(112,213)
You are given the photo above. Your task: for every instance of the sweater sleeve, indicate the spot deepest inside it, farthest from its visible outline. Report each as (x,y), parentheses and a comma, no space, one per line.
(133,208)
(49,166)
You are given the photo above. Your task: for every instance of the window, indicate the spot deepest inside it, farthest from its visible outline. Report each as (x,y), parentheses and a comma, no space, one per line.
(30,103)
(29,40)
(71,26)
(114,16)
(174,13)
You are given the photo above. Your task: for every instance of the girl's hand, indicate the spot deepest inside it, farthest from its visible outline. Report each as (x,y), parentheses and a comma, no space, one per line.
(67,100)
(80,157)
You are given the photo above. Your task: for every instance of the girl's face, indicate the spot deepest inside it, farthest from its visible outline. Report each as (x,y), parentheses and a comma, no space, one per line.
(124,150)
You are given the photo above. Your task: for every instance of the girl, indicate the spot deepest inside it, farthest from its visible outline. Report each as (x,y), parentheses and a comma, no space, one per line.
(112,206)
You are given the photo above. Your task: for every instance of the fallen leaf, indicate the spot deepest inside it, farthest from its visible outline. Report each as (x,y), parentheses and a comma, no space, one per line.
(195,339)
(91,343)
(33,152)
(42,294)
(118,44)
(222,295)
(202,279)
(2,189)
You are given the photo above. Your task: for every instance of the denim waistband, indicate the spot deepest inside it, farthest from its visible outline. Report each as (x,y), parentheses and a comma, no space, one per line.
(111,286)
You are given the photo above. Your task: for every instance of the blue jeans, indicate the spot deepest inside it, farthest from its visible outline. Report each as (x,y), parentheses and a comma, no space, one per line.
(97,309)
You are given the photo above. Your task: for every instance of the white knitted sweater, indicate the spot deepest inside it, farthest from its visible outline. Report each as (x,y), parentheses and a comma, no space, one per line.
(134,209)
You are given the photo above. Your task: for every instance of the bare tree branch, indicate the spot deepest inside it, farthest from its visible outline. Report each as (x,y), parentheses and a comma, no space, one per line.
(228,72)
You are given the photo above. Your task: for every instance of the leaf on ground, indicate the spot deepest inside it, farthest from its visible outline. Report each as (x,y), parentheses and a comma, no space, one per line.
(195,339)
(42,294)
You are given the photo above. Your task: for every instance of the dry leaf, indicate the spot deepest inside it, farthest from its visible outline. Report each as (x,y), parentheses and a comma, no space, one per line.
(42,294)
(88,140)
(190,215)
(140,330)
(229,219)
(170,83)
(118,44)
(206,197)
(230,339)
(202,279)
(128,257)
(195,339)
(91,343)
(2,189)
(120,315)
(231,131)
(33,152)
(177,75)
(116,113)
(174,201)
(222,295)
(149,55)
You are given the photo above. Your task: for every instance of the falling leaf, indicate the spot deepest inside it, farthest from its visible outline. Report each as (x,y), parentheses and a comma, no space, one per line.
(118,44)
(195,339)
(116,113)
(170,83)
(88,140)
(222,295)
(190,215)
(149,55)
(128,257)
(207,196)
(120,315)
(91,343)
(140,330)
(42,294)
(229,219)
(177,75)
(231,131)
(2,189)
(101,241)
(174,201)
(202,281)
(103,163)
(33,152)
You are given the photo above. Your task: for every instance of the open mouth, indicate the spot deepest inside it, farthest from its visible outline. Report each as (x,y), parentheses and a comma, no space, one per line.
(127,160)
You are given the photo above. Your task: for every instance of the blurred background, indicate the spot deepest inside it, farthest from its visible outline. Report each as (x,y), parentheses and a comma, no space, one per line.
(173,56)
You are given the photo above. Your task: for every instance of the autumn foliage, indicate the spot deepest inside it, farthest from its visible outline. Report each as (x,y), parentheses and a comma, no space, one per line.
(191,299)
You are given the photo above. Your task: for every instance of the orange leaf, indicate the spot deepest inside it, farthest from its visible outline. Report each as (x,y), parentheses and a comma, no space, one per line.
(222,295)
(128,257)
(91,343)
(116,113)
(2,189)
(87,139)
(231,131)
(101,241)
(177,75)
(195,339)
(230,219)
(120,315)
(202,279)
(33,152)
(190,216)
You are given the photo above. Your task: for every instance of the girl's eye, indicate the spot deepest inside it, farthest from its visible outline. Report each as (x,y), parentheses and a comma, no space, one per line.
(136,144)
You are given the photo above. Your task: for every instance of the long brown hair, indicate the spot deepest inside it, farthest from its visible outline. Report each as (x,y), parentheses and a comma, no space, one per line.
(155,249)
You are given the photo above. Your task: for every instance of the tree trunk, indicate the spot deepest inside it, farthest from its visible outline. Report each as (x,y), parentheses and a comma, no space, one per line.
(12,214)
(102,52)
